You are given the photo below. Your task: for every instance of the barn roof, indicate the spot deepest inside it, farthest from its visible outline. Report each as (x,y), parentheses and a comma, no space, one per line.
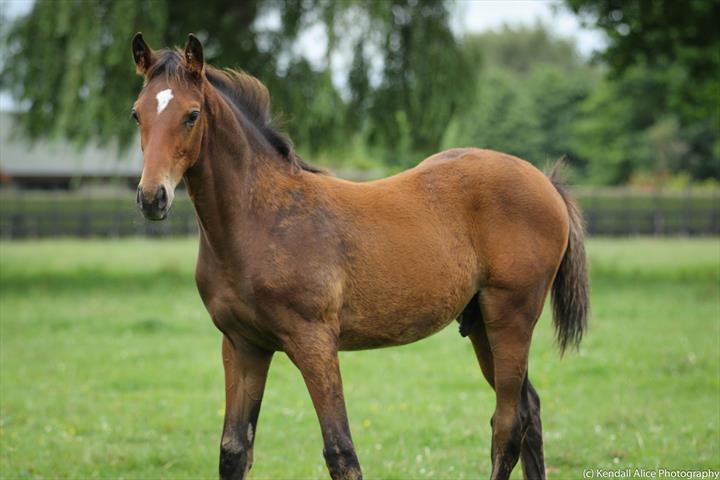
(20,158)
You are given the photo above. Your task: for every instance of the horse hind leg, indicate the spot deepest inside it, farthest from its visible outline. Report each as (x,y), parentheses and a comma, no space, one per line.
(473,327)
(531,448)
(500,329)
(533,460)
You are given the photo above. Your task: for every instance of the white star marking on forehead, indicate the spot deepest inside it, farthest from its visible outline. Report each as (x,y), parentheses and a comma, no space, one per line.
(163,98)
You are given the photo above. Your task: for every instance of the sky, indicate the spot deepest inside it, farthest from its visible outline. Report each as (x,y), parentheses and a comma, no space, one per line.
(13,8)
(480,15)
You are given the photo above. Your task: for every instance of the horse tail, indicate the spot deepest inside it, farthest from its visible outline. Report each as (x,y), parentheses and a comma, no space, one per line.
(570,290)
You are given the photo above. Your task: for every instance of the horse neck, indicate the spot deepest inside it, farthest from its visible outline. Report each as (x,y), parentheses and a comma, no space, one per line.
(236,180)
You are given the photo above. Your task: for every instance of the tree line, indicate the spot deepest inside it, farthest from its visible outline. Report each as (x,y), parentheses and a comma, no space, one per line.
(645,110)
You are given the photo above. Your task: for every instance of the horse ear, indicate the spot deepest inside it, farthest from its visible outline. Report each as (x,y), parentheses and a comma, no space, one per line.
(194,57)
(142,54)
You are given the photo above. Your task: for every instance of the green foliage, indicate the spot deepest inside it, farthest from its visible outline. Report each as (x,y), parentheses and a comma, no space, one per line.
(527,98)
(425,79)
(110,367)
(538,99)
(676,45)
(610,129)
(314,107)
(412,86)
(664,34)
(624,130)
(520,49)
(68,63)
(359,85)
(501,119)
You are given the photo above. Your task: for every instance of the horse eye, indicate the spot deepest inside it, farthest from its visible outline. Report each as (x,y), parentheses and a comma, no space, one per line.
(192,117)
(135,117)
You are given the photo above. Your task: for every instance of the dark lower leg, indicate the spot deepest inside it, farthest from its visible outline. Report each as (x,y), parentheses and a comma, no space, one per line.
(340,457)
(533,461)
(236,447)
(245,373)
(233,461)
(506,445)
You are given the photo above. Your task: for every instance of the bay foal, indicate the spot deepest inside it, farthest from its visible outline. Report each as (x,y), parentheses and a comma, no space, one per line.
(297,261)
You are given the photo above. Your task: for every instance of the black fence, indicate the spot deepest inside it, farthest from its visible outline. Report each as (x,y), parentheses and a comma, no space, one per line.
(608,212)
(626,211)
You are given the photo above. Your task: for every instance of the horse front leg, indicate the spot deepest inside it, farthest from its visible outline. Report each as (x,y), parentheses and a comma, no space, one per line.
(246,369)
(316,356)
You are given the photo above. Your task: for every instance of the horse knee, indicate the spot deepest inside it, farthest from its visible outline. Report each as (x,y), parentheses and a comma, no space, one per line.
(235,461)
(342,463)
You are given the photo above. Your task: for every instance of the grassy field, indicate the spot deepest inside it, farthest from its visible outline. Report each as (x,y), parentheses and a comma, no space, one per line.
(110,367)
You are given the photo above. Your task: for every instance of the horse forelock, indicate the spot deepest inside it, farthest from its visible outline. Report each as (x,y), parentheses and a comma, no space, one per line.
(169,64)
(248,94)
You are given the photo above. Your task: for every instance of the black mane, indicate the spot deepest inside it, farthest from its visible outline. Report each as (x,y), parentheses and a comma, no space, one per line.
(246,93)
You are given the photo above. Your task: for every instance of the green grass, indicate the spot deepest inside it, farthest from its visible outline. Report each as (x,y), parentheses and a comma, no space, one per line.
(110,367)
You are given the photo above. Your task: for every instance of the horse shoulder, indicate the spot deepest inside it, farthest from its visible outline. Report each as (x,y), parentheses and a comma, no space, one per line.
(295,264)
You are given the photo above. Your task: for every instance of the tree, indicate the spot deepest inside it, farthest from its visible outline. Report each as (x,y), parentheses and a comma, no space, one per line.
(360,89)
(502,118)
(69,63)
(677,45)
(622,131)
(521,49)
(425,78)
(529,88)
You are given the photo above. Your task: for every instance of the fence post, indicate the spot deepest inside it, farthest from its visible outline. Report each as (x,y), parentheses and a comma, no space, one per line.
(657,216)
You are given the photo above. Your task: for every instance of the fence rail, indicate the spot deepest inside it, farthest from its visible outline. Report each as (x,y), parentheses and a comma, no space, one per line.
(608,212)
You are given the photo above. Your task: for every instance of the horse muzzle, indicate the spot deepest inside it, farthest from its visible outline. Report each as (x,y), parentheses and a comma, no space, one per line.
(154,204)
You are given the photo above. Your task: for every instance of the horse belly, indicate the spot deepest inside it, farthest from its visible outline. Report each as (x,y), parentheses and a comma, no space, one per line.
(407,305)
(378,332)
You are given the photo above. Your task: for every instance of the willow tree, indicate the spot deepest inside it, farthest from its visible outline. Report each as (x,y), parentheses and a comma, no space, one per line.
(68,62)
(425,77)
(69,66)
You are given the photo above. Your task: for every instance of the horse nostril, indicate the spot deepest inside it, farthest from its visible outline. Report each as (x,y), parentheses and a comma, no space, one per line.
(138,197)
(161,198)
